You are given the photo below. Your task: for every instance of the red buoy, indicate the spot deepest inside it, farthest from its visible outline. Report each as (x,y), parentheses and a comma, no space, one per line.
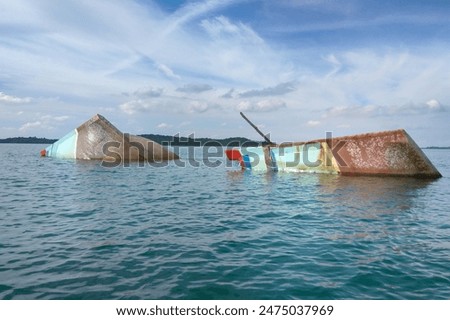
(43,153)
(235,155)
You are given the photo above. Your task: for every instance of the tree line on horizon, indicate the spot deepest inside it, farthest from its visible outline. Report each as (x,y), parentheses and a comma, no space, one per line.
(161,139)
(172,141)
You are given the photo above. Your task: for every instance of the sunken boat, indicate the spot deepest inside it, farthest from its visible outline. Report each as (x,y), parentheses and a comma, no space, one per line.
(387,153)
(98,139)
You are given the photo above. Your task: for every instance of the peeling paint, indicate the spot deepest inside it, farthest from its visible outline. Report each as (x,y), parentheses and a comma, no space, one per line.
(387,153)
(87,142)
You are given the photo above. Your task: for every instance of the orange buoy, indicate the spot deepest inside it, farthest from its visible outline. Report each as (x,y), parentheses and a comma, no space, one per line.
(43,153)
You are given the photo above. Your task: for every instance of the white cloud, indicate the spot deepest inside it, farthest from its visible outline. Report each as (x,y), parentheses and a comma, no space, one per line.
(169,105)
(278,90)
(197,106)
(194,88)
(163,125)
(134,106)
(32,125)
(45,122)
(337,65)
(228,94)
(371,111)
(194,10)
(220,27)
(433,104)
(120,46)
(237,53)
(261,106)
(185,123)
(165,70)
(312,123)
(142,100)
(354,111)
(85,60)
(12,99)
(148,92)
(49,118)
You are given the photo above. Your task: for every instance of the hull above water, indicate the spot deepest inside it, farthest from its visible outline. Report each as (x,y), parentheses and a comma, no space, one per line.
(98,139)
(388,153)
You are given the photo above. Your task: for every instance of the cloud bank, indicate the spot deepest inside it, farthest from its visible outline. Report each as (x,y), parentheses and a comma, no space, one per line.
(327,65)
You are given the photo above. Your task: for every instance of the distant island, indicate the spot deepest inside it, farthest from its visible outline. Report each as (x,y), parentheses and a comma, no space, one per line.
(433,147)
(198,142)
(173,141)
(161,139)
(29,140)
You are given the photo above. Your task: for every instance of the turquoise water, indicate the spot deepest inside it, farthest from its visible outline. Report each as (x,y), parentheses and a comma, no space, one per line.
(77,230)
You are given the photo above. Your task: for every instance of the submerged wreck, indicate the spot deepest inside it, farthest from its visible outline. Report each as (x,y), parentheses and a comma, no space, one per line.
(98,139)
(388,153)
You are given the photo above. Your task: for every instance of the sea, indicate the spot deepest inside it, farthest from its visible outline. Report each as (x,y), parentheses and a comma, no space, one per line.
(207,230)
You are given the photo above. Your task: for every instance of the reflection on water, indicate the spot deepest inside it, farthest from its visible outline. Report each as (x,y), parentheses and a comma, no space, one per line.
(355,208)
(373,195)
(364,196)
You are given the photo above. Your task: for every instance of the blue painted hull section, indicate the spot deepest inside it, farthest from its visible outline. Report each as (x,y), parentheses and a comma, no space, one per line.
(64,148)
(386,153)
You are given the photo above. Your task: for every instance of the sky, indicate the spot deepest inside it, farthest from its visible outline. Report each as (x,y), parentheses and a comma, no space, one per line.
(296,68)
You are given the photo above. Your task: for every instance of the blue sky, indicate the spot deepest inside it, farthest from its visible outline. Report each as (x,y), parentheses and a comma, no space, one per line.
(297,68)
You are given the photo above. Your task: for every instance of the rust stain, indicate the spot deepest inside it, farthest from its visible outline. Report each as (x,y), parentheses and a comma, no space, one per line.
(385,153)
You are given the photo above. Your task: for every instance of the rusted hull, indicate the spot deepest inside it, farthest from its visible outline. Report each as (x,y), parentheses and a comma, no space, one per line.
(388,153)
(98,139)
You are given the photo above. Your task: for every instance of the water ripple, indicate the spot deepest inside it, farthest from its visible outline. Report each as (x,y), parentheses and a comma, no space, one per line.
(76,230)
